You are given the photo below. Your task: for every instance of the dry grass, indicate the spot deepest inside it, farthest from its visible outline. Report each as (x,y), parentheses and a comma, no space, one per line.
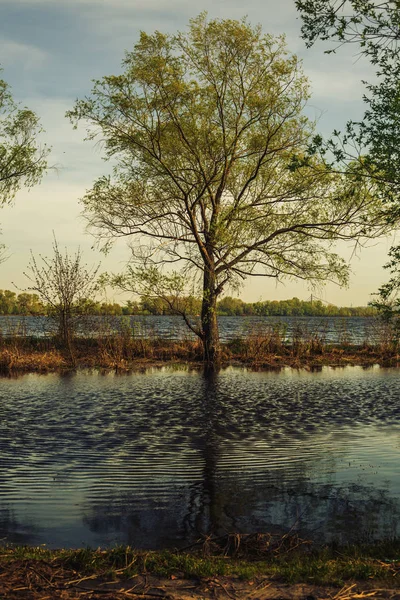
(249,545)
(30,355)
(264,352)
(142,353)
(39,574)
(26,360)
(123,351)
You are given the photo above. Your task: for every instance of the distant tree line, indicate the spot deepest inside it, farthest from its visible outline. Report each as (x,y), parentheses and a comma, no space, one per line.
(21,304)
(294,307)
(30,304)
(229,306)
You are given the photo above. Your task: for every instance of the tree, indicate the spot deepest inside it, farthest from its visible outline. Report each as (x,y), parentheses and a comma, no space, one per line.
(388,296)
(7,302)
(63,283)
(22,159)
(29,304)
(371,24)
(131,308)
(373,27)
(231,306)
(202,127)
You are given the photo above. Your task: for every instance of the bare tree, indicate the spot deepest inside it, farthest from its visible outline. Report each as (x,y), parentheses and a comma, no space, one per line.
(62,283)
(203,127)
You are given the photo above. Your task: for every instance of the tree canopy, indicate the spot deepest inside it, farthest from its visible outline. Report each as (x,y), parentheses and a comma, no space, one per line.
(371,24)
(372,27)
(202,127)
(22,158)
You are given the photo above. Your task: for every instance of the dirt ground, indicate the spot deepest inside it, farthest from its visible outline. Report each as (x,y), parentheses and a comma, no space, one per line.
(31,580)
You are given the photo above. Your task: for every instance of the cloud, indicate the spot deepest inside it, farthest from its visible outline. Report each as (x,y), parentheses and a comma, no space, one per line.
(75,161)
(28,225)
(148,5)
(335,85)
(127,17)
(336,78)
(26,56)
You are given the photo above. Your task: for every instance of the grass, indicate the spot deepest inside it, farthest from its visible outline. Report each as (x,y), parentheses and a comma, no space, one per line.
(322,566)
(35,355)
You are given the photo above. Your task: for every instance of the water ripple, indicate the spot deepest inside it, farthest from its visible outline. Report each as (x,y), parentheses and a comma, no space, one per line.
(155,459)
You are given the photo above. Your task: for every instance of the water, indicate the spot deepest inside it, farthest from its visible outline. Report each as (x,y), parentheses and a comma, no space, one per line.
(354,330)
(156,459)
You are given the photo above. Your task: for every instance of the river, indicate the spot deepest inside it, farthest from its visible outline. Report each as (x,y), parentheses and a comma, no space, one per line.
(157,459)
(355,330)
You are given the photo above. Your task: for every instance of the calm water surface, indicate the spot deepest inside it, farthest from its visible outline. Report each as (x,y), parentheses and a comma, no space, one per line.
(155,459)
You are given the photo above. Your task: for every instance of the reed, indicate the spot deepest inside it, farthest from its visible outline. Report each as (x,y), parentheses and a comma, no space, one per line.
(272,346)
(103,345)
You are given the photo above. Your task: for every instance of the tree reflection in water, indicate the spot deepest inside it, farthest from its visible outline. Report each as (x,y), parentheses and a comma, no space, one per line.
(21,533)
(247,483)
(156,459)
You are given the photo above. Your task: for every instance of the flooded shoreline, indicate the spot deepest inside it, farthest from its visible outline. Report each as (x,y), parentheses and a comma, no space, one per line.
(18,355)
(157,459)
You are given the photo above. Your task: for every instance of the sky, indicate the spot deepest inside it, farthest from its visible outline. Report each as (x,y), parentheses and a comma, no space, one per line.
(51,50)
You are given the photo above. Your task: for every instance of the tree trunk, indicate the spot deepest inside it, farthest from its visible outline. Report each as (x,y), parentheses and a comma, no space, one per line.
(66,334)
(209,324)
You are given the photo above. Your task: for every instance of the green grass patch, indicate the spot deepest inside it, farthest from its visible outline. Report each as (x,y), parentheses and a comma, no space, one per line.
(328,565)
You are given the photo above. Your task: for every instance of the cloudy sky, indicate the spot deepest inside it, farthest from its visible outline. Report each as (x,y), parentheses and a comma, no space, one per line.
(50,52)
